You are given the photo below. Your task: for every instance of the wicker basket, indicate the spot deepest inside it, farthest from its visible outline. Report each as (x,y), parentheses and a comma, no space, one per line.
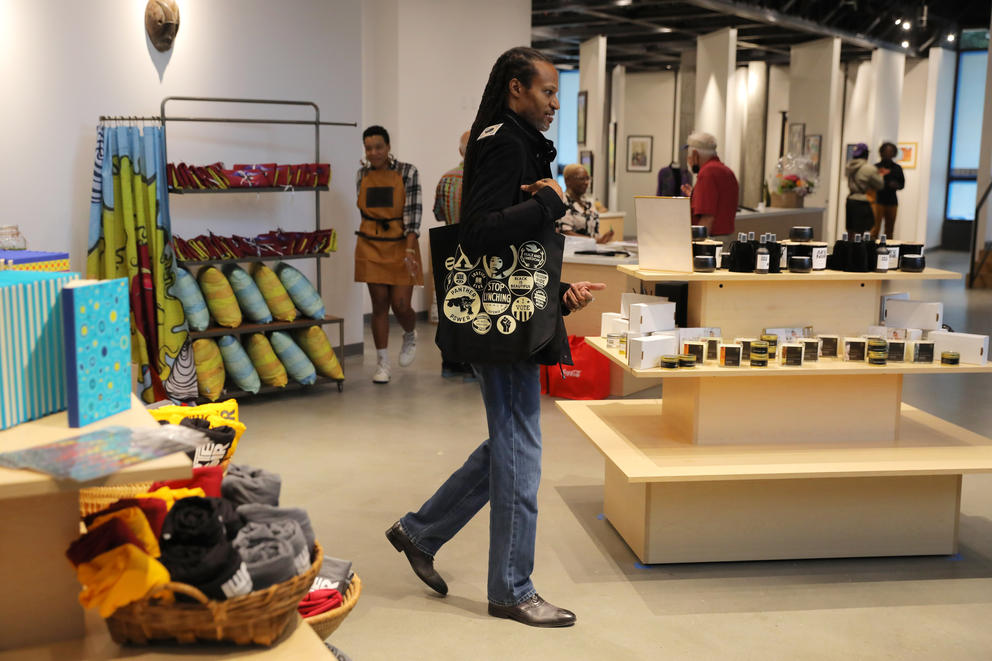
(95,499)
(259,617)
(327,623)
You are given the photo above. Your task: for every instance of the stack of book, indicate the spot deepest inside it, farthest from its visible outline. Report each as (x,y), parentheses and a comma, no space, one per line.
(33,260)
(32,345)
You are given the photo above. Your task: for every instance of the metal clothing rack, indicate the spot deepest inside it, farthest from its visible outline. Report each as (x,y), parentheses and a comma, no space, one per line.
(164,118)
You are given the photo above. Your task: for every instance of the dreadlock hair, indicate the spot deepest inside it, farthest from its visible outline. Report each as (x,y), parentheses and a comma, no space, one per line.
(515,63)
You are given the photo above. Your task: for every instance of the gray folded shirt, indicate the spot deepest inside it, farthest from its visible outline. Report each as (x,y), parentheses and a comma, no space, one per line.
(268,514)
(269,560)
(245,484)
(334,574)
(287,530)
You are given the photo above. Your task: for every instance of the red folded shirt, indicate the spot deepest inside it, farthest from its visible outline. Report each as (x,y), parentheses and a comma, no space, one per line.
(319,601)
(108,535)
(153,508)
(207,478)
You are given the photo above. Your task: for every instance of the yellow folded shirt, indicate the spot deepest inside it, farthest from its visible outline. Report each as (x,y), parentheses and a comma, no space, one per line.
(118,577)
(170,496)
(136,520)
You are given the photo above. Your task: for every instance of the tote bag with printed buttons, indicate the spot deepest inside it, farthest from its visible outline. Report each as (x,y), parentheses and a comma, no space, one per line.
(498,308)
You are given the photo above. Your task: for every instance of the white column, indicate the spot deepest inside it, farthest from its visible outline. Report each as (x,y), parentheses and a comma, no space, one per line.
(592,80)
(934,147)
(618,93)
(716,100)
(815,100)
(889,68)
(985,165)
(753,138)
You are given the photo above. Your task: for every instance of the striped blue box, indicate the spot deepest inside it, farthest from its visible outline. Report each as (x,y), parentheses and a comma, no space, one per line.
(32,346)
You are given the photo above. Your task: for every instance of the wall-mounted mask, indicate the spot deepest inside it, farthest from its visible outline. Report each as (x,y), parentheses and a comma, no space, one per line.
(162,23)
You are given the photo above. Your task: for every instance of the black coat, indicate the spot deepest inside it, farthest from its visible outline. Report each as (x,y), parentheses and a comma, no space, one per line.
(497,213)
(895,176)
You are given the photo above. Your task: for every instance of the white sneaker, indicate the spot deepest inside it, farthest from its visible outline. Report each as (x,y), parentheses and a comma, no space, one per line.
(381,373)
(409,350)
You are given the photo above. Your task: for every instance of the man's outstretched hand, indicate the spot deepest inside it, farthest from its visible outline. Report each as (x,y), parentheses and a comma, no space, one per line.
(579,294)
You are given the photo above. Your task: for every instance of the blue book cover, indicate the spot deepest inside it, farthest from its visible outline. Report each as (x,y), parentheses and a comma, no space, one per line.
(97,349)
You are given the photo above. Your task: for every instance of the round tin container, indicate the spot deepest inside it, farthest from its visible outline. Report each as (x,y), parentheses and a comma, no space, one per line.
(950,358)
(801,233)
(800,264)
(704,263)
(687,360)
(699,232)
(670,362)
(758,362)
(912,263)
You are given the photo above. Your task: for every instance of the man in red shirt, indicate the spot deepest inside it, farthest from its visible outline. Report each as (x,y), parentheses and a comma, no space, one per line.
(715,197)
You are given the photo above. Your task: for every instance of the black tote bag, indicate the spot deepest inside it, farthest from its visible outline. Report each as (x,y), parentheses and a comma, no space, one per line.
(500,308)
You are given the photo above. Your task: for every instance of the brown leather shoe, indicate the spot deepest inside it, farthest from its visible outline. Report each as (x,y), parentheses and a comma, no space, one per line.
(535,612)
(422,564)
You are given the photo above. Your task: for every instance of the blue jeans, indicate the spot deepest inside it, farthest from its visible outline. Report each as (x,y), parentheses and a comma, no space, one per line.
(504,471)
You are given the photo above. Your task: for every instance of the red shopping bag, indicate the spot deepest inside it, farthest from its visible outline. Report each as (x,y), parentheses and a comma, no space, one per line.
(588,378)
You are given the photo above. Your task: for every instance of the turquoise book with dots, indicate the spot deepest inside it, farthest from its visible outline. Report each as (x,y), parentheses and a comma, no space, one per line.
(97,349)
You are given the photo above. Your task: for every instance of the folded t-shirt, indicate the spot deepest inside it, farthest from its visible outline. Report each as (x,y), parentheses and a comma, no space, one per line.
(268,513)
(245,484)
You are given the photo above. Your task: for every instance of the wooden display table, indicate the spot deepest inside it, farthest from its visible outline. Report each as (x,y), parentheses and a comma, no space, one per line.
(39,517)
(781,462)
(298,643)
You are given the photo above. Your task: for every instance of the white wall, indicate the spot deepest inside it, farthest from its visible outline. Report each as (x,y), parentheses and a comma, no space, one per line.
(618,99)
(778,101)
(592,79)
(65,63)
(889,70)
(935,145)
(648,110)
(424,73)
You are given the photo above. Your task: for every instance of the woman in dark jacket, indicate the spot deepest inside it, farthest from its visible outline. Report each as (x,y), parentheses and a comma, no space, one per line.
(886,204)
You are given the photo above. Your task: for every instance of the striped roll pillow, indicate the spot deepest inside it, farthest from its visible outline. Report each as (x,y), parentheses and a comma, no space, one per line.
(296,362)
(275,295)
(220,298)
(209,368)
(318,349)
(249,297)
(188,293)
(301,291)
(237,364)
(270,370)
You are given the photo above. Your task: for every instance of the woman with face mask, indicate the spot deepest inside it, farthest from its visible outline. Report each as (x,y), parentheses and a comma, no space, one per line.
(387,252)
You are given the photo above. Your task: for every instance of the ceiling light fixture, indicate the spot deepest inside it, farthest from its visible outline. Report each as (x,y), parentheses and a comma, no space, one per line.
(898,21)
(950,37)
(664,30)
(906,25)
(905,44)
(622,3)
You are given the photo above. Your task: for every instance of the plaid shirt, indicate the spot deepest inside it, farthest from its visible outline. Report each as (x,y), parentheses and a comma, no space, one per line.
(448,196)
(412,208)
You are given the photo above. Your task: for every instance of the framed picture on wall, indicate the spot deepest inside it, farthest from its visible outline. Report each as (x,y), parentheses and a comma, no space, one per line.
(580,120)
(611,154)
(849,151)
(812,150)
(906,156)
(797,132)
(639,149)
(585,158)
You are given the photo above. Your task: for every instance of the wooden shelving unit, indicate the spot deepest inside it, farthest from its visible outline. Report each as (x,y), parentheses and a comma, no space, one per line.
(781,462)
(316,123)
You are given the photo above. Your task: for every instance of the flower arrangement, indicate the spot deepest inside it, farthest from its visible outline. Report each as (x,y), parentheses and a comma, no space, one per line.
(794,174)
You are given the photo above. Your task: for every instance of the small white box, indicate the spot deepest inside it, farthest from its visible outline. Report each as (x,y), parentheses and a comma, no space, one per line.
(646,352)
(686,334)
(855,348)
(920,351)
(627,299)
(974,349)
(650,317)
(878,331)
(606,323)
(695,347)
(928,315)
(789,333)
(791,354)
(615,325)
(885,298)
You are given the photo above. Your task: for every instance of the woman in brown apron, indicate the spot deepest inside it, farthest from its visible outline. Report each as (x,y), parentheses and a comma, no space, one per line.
(387,251)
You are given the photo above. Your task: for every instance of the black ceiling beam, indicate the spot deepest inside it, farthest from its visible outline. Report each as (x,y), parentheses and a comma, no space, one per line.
(771,16)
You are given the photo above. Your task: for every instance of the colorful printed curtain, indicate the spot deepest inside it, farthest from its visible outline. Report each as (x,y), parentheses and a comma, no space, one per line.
(130,236)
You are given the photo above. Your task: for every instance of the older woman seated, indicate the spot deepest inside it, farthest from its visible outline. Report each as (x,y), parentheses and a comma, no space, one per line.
(581,219)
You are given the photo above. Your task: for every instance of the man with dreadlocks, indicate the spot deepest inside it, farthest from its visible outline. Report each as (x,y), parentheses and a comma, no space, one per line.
(508,198)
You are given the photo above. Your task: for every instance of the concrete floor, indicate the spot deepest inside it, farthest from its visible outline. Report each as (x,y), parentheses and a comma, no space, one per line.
(358,460)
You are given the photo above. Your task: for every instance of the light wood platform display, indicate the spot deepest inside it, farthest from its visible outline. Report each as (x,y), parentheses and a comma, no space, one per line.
(817,461)
(39,517)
